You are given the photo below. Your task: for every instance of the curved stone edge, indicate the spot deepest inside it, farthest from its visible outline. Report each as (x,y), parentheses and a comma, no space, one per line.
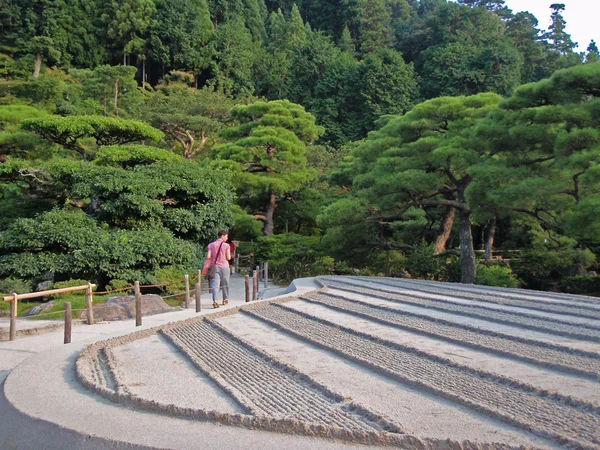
(85,377)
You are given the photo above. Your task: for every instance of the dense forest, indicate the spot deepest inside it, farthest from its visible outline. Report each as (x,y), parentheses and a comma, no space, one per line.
(445,140)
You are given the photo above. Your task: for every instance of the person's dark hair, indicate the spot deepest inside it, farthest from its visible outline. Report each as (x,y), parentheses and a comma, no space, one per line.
(223,233)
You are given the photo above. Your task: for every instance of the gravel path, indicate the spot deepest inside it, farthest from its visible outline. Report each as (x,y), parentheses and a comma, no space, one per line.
(518,404)
(579,331)
(537,352)
(558,307)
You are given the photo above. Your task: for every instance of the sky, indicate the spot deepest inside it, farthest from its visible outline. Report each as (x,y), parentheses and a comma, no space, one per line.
(581,16)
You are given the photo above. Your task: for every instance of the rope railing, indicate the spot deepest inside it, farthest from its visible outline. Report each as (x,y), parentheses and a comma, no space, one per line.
(137,288)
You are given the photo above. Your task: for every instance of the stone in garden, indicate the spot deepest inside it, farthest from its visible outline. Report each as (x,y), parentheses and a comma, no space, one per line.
(123,307)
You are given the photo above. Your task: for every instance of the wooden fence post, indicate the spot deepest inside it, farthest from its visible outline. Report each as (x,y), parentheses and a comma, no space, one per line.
(254,285)
(257,275)
(246,288)
(138,304)
(13,317)
(266,275)
(187,291)
(199,292)
(89,300)
(236,263)
(68,320)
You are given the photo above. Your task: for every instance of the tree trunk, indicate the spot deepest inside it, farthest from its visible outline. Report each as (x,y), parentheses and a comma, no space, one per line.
(489,243)
(445,230)
(37,65)
(468,269)
(268,230)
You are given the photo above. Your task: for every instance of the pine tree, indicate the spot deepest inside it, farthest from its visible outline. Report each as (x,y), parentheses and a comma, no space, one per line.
(559,40)
(592,55)
(346,44)
(374,26)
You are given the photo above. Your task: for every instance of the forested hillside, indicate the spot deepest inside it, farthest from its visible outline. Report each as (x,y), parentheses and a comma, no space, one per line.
(354,136)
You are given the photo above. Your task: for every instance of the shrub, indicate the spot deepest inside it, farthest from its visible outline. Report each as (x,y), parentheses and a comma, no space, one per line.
(293,256)
(540,267)
(496,275)
(423,263)
(583,284)
(14,285)
(67,283)
(119,284)
(173,276)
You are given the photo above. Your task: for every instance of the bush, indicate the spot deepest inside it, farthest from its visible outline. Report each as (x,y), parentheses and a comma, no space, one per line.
(173,276)
(539,268)
(293,256)
(67,283)
(14,285)
(119,284)
(423,263)
(584,284)
(496,275)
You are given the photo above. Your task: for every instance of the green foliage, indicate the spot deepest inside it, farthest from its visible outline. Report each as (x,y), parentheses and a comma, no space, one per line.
(117,284)
(16,142)
(190,118)
(12,285)
(423,263)
(129,156)
(293,256)
(496,275)
(267,151)
(67,283)
(69,131)
(583,284)
(539,267)
(172,277)
(70,244)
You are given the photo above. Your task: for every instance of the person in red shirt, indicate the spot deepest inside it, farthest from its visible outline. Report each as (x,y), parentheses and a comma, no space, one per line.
(220,252)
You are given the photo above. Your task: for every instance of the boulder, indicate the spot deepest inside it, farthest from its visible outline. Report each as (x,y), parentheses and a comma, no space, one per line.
(40,309)
(43,286)
(123,307)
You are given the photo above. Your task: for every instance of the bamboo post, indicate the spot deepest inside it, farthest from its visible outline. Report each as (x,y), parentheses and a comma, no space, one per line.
(266,275)
(13,317)
(254,284)
(89,300)
(247,288)
(138,304)
(187,291)
(68,320)
(198,292)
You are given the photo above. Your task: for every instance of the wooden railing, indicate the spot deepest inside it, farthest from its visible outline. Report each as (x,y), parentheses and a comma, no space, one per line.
(14,303)
(261,272)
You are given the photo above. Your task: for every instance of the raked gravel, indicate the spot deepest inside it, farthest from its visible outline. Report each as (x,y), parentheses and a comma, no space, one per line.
(500,398)
(549,325)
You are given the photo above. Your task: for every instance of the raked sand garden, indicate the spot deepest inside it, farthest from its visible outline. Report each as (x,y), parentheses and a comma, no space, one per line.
(372,361)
